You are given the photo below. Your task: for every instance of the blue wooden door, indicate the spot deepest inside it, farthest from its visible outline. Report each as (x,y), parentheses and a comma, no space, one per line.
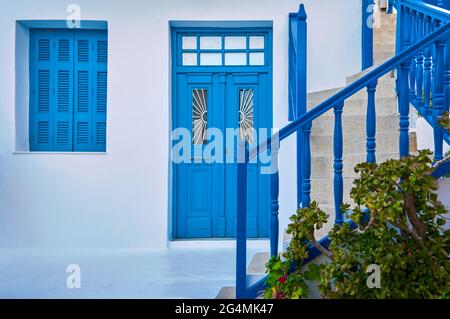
(206,192)
(218,102)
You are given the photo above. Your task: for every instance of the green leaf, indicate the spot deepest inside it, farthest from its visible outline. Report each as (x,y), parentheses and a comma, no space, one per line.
(313,272)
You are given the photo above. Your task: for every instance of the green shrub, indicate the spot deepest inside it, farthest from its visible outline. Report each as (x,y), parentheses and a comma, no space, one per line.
(403,235)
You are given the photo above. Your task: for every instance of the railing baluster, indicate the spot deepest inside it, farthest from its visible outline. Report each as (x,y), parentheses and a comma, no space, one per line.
(274,207)
(371,124)
(338,166)
(438,100)
(420,61)
(434,25)
(447,77)
(403,89)
(412,69)
(427,70)
(241,227)
(306,196)
(403,102)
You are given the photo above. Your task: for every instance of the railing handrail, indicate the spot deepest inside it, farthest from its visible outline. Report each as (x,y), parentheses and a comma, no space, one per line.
(428,9)
(351,89)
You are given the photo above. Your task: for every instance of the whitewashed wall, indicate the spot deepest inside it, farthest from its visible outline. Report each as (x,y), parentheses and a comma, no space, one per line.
(120,199)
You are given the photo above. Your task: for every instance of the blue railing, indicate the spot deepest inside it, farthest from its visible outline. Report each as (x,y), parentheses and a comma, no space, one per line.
(402,62)
(429,72)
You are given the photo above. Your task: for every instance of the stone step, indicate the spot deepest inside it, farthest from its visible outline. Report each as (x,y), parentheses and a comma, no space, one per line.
(258,263)
(354,124)
(384,106)
(322,165)
(383,55)
(255,271)
(352,78)
(322,189)
(384,41)
(387,31)
(384,49)
(322,145)
(227,292)
(320,96)
(385,89)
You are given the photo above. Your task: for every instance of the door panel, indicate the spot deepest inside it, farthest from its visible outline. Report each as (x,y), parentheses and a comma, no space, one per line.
(258,203)
(205,199)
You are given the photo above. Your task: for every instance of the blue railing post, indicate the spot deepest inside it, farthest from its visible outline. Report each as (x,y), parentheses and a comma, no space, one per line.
(241,227)
(274,207)
(447,77)
(371,124)
(338,182)
(306,196)
(301,90)
(438,100)
(412,69)
(420,62)
(398,31)
(367,33)
(427,64)
(403,89)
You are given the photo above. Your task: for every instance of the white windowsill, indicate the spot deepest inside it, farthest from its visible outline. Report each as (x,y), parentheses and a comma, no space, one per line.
(61,153)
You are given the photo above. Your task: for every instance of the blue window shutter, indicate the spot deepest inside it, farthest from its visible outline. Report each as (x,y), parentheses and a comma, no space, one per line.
(82,140)
(68,90)
(90,91)
(63,112)
(41,89)
(99,67)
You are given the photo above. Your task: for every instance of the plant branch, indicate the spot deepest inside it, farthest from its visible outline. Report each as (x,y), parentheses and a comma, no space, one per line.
(370,223)
(322,249)
(411,212)
(411,232)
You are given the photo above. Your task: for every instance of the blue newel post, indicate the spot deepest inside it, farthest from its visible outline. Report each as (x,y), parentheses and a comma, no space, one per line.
(403,87)
(367,33)
(338,182)
(241,227)
(300,90)
(274,207)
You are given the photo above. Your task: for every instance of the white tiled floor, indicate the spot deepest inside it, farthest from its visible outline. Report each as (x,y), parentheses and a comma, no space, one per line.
(185,270)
